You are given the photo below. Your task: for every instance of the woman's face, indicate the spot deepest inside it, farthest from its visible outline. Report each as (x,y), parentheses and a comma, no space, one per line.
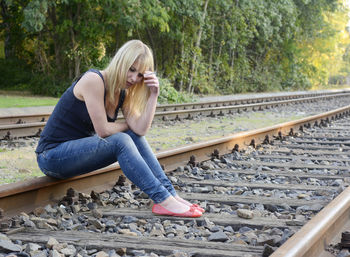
(134,75)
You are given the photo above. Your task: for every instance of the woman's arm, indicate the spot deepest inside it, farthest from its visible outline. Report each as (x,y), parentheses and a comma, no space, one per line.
(140,125)
(90,89)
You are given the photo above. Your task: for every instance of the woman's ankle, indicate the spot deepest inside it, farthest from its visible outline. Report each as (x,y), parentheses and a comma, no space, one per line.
(178,198)
(172,204)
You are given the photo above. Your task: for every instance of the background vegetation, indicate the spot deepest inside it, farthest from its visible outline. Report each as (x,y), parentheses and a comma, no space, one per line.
(200,46)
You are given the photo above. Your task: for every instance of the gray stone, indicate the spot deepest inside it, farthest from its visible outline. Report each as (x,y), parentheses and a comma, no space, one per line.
(55,253)
(51,242)
(129,219)
(96,223)
(97,213)
(49,209)
(112,253)
(218,237)
(32,247)
(69,250)
(29,223)
(138,252)
(39,254)
(268,250)
(245,214)
(344,253)
(271,207)
(229,229)
(214,229)
(3,237)
(101,254)
(313,207)
(7,246)
(243,230)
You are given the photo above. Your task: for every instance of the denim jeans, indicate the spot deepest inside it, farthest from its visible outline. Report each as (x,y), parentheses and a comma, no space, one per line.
(133,153)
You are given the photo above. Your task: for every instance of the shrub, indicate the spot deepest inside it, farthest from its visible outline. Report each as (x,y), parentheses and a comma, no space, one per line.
(168,93)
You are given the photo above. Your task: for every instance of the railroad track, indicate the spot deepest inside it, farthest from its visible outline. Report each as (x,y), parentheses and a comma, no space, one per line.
(258,188)
(13,126)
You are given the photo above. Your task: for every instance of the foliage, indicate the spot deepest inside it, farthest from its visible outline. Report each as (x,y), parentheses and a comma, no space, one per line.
(200,46)
(8,101)
(168,93)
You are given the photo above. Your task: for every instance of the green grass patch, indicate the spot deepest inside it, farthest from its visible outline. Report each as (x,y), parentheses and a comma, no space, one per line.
(16,177)
(18,165)
(8,101)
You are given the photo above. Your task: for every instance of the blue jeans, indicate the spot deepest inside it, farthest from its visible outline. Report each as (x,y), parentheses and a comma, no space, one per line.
(133,153)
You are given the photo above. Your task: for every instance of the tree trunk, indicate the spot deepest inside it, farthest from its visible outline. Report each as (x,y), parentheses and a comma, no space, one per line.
(41,55)
(210,62)
(75,45)
(182,54)
(54,35)
(149,34)
(6,26)
(198,42)
(232,54)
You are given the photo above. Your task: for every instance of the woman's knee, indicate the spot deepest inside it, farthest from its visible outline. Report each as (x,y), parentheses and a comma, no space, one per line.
(119,137)
(122,141)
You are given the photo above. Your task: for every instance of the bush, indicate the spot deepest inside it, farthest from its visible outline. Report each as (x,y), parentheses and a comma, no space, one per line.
(15,75)
(337,80)
(168,93)
(18,76)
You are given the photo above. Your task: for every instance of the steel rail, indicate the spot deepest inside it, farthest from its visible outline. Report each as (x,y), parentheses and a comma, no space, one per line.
(166,107)
(34,129)
(42,117)
(314,236)
(27,195)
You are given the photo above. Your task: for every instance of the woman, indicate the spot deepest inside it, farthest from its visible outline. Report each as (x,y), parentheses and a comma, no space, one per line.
(81,135)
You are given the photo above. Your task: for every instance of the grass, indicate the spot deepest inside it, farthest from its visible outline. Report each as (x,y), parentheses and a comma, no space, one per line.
(18,165)
(7,100)
(168,136)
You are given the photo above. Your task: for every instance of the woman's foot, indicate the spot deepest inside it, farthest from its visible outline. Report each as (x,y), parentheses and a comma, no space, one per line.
(173,207)
(181,200)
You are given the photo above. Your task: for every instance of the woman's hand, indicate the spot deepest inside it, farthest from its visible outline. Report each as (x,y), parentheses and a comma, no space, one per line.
(151,80)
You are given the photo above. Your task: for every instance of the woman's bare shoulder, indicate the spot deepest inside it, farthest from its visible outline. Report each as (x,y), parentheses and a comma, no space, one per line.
(90,83)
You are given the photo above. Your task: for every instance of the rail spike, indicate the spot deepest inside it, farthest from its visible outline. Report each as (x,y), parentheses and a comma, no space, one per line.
(212,115)
(291,132)
(279,136)
(252,143)
(235,148)
(192,162)
(266,140)
(345,240)
(215,154)
(37,134)
(177,118)
(7,136)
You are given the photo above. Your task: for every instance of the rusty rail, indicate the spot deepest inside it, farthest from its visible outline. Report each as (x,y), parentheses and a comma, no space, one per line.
(34,129)
(27,195)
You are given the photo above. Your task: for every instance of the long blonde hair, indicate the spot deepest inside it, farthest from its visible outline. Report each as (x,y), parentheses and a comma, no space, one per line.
(137,95)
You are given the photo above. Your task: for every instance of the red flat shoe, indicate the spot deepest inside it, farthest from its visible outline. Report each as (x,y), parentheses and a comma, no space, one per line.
(191,213)
(198,207)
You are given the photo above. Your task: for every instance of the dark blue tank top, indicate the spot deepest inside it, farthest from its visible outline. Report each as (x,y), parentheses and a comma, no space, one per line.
(70,119)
